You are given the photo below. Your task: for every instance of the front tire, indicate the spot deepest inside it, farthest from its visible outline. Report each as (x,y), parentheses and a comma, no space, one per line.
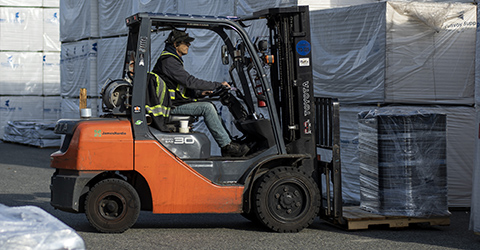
(286,199)
(112,206)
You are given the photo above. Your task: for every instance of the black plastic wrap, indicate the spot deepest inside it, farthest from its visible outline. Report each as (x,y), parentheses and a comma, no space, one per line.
(403,163)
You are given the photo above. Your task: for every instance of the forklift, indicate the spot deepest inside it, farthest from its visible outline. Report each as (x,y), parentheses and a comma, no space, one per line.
(114,166)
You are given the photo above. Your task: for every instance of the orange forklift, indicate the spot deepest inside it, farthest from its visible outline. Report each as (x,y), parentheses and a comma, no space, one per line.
(112,167)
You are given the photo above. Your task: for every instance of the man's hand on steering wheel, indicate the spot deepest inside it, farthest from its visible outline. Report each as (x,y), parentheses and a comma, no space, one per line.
(226,84)
(218,91)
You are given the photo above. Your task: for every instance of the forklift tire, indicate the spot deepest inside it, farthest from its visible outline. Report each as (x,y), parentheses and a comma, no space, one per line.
(112,206)
(286,199)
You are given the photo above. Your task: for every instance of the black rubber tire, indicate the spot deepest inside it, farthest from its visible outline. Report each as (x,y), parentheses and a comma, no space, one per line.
(112,206)
(286,199)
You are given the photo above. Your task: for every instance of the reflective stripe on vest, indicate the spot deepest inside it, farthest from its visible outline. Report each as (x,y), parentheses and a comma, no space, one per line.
(166,53)
(159,109)
(172,93)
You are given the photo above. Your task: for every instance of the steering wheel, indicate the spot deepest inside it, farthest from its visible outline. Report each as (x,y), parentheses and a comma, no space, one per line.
(219,91)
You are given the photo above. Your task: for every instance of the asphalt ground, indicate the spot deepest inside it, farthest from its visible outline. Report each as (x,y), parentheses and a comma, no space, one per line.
(25,179)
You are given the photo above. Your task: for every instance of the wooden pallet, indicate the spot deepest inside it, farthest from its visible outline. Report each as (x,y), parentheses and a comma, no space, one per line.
(357,218)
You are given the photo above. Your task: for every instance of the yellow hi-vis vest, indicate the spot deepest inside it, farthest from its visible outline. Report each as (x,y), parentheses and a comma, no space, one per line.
(157,104)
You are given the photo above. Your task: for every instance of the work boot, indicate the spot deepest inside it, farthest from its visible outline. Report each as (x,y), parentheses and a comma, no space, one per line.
(234,150)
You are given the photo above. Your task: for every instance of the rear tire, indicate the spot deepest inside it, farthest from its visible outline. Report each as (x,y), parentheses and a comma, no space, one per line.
(286,199)
(112,206)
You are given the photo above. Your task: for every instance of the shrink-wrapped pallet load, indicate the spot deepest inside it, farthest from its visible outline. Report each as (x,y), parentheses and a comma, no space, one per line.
(403,163)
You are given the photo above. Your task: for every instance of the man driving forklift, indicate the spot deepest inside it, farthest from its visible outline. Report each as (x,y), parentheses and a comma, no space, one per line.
(184,89)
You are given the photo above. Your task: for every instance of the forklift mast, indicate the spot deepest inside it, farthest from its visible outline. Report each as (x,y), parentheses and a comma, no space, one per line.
(292,78)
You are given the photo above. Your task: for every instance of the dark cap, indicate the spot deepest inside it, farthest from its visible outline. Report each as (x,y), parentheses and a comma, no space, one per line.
(179,36)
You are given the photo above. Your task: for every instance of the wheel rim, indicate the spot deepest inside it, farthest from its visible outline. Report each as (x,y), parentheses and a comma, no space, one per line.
(112,206)
(288,200)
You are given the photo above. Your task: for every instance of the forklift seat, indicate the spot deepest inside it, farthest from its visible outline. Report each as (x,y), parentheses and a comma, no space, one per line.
(173,122)
(178,118)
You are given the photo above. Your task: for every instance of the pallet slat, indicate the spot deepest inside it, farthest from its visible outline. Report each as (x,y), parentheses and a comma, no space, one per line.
(357,218)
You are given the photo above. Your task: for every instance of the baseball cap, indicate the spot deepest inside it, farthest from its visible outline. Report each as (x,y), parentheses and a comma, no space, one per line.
(179,36)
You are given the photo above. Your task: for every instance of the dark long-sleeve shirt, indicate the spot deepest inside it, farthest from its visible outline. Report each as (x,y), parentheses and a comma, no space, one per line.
(170,67)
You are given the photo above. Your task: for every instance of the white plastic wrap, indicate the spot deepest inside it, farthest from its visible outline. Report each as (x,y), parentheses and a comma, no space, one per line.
(112,14)
(51,3)
(395,52)
(78,19)
(37,133)
(30,227)
(155,6)
(111,55)
(348,49)
(21,73)
(477,65)
(21,29)
(430,55)
(51,107)
(51,30)
(461,128)
(327,4)
(349,152)
(25,3)
(247,7)
(403,162)
(207,7)
(203,59)
(19,108)
(78,68)
(475,205)
(51,73)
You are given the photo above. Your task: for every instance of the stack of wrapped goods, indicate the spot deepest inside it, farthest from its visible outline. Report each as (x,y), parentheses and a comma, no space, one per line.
(412,55)
(403,163)
(79,49)
(29,65)
(475,208)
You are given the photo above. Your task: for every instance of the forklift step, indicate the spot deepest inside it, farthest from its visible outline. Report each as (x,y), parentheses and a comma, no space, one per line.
(357,218)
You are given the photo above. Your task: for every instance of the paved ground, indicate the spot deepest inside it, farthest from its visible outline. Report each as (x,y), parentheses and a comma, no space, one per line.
(25,178)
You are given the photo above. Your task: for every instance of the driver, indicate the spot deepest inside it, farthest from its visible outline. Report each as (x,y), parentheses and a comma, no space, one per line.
(185,88)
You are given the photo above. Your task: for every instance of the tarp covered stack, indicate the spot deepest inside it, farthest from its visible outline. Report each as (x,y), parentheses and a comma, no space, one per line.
(35,133)
(398,53)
